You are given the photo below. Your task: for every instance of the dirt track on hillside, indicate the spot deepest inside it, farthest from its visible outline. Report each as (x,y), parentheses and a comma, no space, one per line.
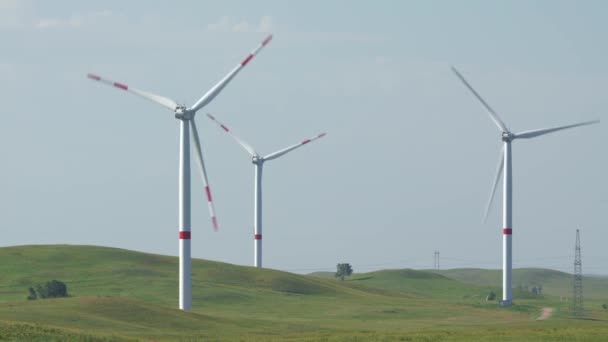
(545,313)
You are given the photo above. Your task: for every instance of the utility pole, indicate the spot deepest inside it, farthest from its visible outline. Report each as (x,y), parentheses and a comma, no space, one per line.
(436,261)
(577,280)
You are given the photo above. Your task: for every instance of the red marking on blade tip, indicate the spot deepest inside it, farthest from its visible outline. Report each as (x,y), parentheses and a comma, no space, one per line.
(94,77)
(225,128)
(246,60)
(211,116)
(208,192)
(306,141)
(507,231)
(183,235)
(214,221)
(265,41)
(257,236)
(322,135)
(121,86)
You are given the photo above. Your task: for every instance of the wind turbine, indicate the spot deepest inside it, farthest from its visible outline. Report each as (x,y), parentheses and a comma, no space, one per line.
(504,166)
(258,161)
(186,117)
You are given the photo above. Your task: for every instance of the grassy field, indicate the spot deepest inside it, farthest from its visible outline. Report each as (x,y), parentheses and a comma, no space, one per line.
(121,295)
(554,282)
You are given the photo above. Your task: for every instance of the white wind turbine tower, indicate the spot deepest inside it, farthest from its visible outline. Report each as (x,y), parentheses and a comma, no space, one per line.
(258,161)
(504,166)
(186,117)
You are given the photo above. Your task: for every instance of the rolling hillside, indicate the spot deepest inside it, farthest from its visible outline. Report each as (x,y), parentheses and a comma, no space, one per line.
(462,282)
(123,295)
(420,283)
(554,282)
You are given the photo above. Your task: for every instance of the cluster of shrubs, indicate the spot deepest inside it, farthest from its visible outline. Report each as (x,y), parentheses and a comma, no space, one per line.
(535,289)
(52,289)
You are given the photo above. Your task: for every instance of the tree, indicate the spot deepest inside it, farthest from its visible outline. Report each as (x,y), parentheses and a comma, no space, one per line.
(52,289)
(605,306)
(41,291)
(491,296)
(343,270)
(32,295)
(57,289)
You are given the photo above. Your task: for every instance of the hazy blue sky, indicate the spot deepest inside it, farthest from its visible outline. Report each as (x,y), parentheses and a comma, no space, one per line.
(406,166)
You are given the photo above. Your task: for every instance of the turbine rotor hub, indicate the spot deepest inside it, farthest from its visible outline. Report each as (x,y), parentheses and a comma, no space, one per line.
(507,136)
(182,113)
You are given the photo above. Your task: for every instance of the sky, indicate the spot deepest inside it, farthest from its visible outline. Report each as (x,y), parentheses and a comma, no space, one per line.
(405,169)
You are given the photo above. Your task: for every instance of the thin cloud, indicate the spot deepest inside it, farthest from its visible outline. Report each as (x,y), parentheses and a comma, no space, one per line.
(233,24)
(8,5)
(11,13)
(265,24)
(7,70)
(76,20)
(357,37)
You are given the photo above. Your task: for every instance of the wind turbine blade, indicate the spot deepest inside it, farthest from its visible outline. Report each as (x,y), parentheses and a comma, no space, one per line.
(161,100)
(213,92)
(245,145)
(499,168)
(501,125)
(279,153)
(201,163)
(538,132)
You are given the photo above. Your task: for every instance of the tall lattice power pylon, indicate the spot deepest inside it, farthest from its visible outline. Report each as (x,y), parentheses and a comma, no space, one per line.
(436,261)
(577,280)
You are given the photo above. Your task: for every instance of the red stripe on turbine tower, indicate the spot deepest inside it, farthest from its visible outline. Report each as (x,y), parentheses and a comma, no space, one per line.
(257,236)
(246,60)
(507,231)
(121,86)
(184,235)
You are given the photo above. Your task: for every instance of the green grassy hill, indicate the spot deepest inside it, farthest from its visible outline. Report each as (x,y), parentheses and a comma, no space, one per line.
(554,282)
(428,284)
(420,283)
(322,274)
(92,270)
(124,295)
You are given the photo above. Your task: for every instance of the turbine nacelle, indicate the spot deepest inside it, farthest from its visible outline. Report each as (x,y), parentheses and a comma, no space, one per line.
(257,160)
(182,113)
(507,136)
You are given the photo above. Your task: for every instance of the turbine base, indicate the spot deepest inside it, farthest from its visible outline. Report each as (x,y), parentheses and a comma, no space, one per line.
(505,303)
